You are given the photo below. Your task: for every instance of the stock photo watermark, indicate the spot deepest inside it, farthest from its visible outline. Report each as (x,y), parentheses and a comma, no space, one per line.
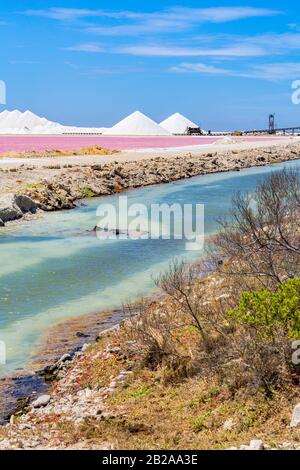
(296,93)
(158,222)
(2,92)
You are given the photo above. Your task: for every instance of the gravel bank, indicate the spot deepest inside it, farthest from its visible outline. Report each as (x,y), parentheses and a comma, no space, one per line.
(58,186)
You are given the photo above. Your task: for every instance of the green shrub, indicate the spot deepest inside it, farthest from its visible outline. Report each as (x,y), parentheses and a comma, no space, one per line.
(88,193)
(266,311)
(140,392)
(199,423)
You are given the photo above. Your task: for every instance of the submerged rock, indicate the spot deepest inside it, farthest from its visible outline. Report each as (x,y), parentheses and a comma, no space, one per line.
(9,210)
(41,401)
(26,204)
(13,207)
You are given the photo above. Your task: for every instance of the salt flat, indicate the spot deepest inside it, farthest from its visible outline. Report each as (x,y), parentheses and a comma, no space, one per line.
(23,143)
(206,145)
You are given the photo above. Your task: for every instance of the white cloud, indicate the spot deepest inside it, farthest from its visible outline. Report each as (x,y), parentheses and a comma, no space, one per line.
(94,48)
(279,71)
(274,42)
(25,62)
(200,68)
(224,14)
(271,72)
(180,19)
(170,20)
(62,14)
(174,51)
(222,46)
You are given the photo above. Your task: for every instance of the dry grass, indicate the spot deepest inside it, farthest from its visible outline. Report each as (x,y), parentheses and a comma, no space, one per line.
(147,413)
(94,150)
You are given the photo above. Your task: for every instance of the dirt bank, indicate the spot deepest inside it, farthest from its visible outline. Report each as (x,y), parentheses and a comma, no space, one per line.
(56,186)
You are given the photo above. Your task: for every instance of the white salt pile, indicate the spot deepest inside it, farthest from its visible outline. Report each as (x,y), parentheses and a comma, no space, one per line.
(81,130)
(178,124)
(137,124)
(227,141)
(16,122)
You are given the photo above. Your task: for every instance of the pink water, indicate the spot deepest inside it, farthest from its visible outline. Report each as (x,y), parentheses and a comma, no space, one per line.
(40,143)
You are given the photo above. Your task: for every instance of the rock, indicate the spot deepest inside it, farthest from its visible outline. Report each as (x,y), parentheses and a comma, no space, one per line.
(79,334)
(243,447)
(78,354)
(295,421)
(117,351)
(105,332)
(9,209)
(12,207)
(22,427)
(41,401)
(232,448)
(113,384)
(229,424)
(5,444)
(286,445)
(256,444)
(25,204)
(65,358)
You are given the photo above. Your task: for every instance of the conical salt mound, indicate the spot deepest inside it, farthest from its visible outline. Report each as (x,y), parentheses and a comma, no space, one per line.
(15,122)
(18,121)
(137,124)
(177,124)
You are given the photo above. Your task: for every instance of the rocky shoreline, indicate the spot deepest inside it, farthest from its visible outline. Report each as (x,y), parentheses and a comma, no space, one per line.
(25,190)
(60,346)
(40,420)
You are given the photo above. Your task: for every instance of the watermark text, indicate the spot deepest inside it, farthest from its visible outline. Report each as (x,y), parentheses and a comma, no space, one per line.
(158,222)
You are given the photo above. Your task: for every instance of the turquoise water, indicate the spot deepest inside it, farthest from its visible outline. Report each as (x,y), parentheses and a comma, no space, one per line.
(51,270)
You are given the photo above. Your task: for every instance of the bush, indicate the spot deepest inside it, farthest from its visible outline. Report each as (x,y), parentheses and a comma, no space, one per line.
(265,323)
(266,311)
(189,332)
(261,235)
(156,336)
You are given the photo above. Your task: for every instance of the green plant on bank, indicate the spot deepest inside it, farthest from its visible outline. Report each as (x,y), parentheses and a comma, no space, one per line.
(266,310)
(33,186)
(140,392)
(88,193)
(199,423)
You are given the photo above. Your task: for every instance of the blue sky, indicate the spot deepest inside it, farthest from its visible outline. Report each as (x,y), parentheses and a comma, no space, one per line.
(226,65)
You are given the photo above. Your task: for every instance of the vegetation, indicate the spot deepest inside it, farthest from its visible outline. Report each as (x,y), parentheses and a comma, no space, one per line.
(268,311)
(210,361)
(241,337)
(88,193)
(261,236)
